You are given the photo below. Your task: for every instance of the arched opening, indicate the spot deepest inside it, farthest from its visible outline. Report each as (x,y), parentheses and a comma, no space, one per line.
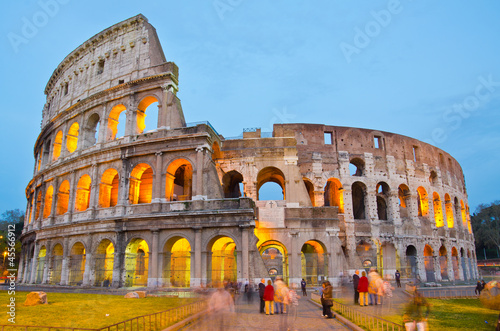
(72,137)
(411,261)
(47,207)
(177,263)
(464,216)
(334,194)
(310,191)
(462,261)
(270,191)
(433,178)
(275,257)
(467,214)
(104,260)
(216,152)
(403,195)
(38,204)
(314,262)
(438,210)
(91,134)
(76,264)
(56,150)
(179,182)
(358,191)
(62,198)
(223,262)
(136,263)
(450,220)
(443,263)
(83,193)
(116,122)
(141,184)
(108,188)
(56,265)
(471,271)
(46,152)
(232,184)
(454,261)
(382,198)
(387,255)
(147,115)
(423,202)
(357,167)
(429,263)
(366,254)
(41,265)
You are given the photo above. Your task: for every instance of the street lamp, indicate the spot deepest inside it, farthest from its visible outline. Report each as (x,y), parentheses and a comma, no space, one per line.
(4,255)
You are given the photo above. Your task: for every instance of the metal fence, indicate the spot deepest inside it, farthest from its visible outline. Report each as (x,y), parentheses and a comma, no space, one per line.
(364,320)
(452,293)
(151,322)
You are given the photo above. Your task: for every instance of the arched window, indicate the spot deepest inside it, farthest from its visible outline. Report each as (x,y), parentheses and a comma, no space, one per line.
(56,151)
(463,213)
(403,195)
(423,202)
(147,114)
(83,193)
(116,122)
(357,167)
(382,198)
(270,191)
(179,181)
(47,208)
(141,184)
(91,131)
(232,184)
(449,211)
(62,198)
(38,204)
(108,189)
(433,178)
(310,191)
(72,137)
(438,210)
(334,194)
(358,200)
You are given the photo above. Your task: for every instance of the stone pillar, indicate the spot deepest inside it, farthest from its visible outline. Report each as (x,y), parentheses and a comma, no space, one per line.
(46,267)
(118,259)
(89,273)
(197,267)
(393,208)
(157,183)
(239,266)
(21,267)
(34,263)
(26,263)
(38,223)
(53,207)
(65,262)
(204,267)
(198,182)
(72,196)
(103,125)
(437,268)
(94,189)
(451,272)
(171,115)
(294,258)
(123,189)
(153,275)
(244,249)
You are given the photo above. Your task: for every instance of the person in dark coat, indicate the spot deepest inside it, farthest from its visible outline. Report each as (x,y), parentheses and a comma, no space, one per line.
(363,290)
(262,288)
(397,275)
(479,288)
(269,298)
(303,286)
(328,299)
(355,283)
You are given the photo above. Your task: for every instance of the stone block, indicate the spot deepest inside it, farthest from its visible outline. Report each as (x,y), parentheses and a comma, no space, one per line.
(36,298)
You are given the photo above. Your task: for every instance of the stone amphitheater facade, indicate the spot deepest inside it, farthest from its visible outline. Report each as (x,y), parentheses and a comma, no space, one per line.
(177,204)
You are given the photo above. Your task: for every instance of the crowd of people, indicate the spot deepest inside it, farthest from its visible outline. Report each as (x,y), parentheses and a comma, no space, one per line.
(370,289)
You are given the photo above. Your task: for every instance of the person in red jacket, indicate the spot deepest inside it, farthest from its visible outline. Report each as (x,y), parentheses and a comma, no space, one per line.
(363,290)
(269,298)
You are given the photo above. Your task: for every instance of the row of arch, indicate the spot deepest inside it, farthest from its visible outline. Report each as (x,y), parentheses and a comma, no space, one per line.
(115,127)
(178,186)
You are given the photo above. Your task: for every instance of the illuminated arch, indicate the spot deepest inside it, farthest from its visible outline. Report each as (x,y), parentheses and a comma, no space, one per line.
(314,263)
(179,180)
(62,198)
(223,263)
(443,262)
(411,261)
(56,264)
(404,196)
(83,193)
(310,191)
(38,204)
(334,194)
(136,263)
(450,219)
(77,261)
(108,188)
(463,214)
(232,184)
(141,184)
(47,208)
(114,121)
(91,131)
(42,254)
(454,261)
(274,175)
(438,210)
(72,137)
(275,256)
(429,263)
(177,262)
(142,108)
(56,149)
(104,260)
(422,202)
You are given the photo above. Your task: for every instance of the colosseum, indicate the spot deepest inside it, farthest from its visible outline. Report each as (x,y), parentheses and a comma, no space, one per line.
(115,202)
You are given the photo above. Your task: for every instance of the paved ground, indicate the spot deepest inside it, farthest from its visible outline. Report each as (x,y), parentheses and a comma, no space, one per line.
(247,317)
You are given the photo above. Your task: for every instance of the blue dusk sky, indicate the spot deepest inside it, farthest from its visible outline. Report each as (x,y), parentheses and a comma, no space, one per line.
(425,69)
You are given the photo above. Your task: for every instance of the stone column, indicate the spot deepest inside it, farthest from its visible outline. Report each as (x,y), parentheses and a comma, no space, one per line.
(89,273)
(451,272)
(244,249)
(239,266)
(196,280)
(437,268)
(38,223)
(393,208)
(118,259)
(34,263)
(53,207)
(94,185)
(198,182)
(123,189)
(46,267)
(157,183)
(153,275)
(26,263)
(294,259)
(72,196)
(65,262)
(21,267)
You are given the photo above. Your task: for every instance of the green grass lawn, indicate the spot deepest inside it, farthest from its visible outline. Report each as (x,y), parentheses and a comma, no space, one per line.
(457,314)
(84,310)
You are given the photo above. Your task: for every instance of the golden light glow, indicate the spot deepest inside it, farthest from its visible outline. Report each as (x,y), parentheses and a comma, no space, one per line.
(141,184)
(136,263)
(423,202)
(463,213)
(62,198)
(180,264)
(113,121)
(438,210)
(38,204)
(83,193)
(141,113)
(223,261)
(449,211)
(48,202)
(334,194)
(72,137)
(108,188)
(104,261)
(179,179)
(56,150)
